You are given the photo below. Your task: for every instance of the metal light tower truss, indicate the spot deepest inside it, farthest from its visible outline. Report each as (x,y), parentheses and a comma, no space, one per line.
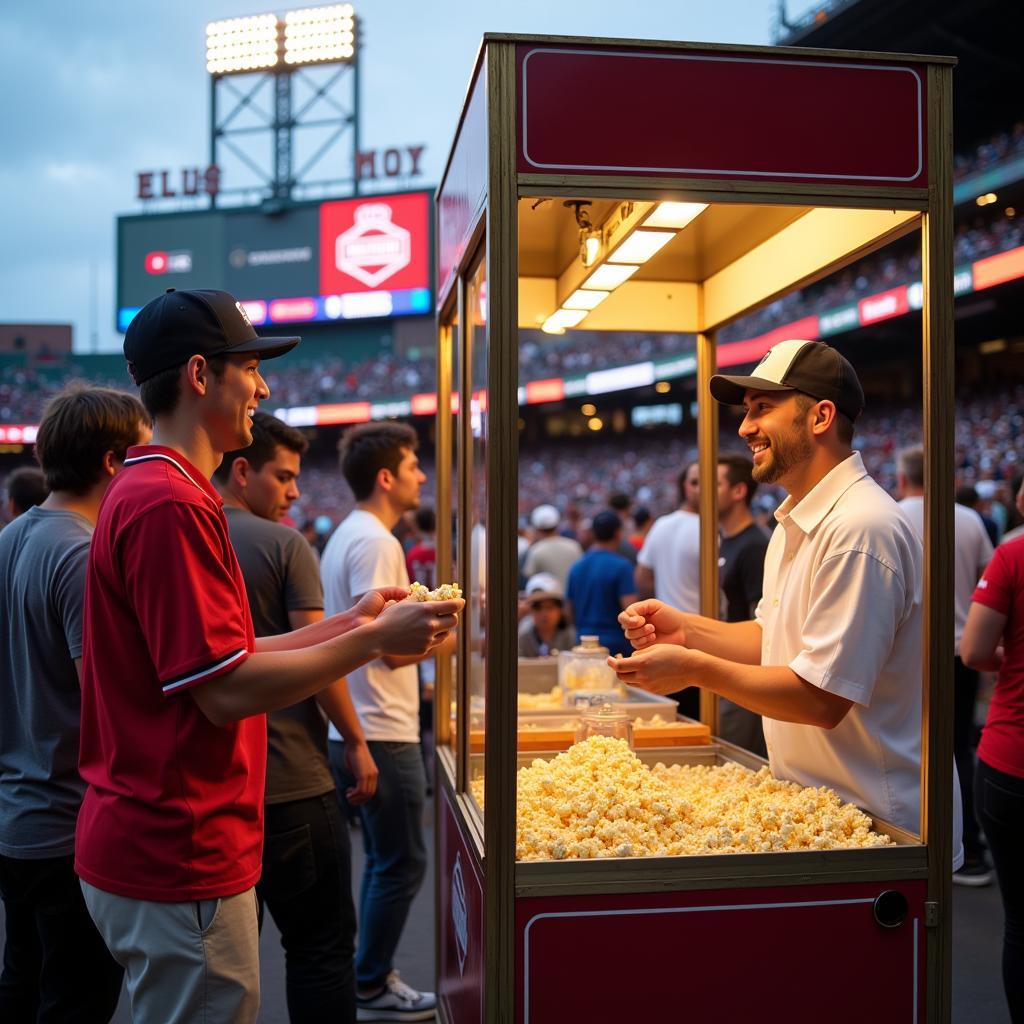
(284,105)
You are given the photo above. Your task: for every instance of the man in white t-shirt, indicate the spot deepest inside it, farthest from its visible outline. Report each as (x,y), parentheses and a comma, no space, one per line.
(668,566)
(833,658)
(380,465)
(971,553)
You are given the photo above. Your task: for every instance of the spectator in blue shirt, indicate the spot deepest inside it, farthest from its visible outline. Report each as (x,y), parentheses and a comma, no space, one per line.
(601,585)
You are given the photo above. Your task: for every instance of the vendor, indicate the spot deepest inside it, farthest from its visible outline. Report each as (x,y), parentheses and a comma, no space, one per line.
(833,656)
(545,630)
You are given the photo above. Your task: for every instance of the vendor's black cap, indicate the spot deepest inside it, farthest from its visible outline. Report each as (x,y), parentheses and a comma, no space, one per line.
(812,367)
(177,325)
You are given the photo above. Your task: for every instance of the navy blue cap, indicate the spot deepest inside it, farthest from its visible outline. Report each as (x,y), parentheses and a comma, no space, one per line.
(177,325)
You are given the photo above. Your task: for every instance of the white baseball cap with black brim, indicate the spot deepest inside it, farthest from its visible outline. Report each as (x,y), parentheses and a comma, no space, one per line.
(812,367)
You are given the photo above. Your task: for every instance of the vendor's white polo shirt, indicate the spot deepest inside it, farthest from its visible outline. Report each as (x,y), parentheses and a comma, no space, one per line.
(842,607)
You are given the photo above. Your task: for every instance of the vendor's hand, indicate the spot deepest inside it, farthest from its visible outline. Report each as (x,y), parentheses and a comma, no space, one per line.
(660,668)
(363,769)
(416,627)
(652,622)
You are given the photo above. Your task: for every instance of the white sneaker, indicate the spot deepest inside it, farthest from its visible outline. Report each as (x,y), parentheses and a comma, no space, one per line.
(398,1001)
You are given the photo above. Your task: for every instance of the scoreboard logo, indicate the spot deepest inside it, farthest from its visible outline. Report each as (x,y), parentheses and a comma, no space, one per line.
(375,249)
(168,262)
(374,243)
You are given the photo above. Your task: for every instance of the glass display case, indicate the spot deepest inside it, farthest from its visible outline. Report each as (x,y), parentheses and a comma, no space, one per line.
(706,195)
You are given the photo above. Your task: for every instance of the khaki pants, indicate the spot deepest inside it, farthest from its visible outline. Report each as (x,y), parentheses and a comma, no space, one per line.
(184,962)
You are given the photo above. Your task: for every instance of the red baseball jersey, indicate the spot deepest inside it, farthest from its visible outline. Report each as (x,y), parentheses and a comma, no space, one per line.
(174,805)
(1001,588)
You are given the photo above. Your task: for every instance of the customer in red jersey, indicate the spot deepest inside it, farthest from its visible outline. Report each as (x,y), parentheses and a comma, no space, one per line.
(174,685)
(993,640)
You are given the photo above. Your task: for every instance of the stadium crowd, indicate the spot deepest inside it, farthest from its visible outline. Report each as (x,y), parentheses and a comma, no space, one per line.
(24,389)
(581,472)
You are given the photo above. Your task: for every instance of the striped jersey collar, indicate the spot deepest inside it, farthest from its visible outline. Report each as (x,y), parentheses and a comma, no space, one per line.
(138,454)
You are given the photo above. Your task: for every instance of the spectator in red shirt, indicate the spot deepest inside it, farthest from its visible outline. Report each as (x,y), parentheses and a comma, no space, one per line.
(993,640)
(175,687)
(421,559)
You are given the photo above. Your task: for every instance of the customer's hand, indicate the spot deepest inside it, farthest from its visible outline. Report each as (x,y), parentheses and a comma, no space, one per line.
(363,769)
(416,627)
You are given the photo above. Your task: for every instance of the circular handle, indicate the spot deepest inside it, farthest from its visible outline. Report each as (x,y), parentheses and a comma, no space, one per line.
(890,908)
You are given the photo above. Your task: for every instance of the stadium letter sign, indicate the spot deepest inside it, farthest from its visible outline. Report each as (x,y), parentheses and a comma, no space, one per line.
(192,182)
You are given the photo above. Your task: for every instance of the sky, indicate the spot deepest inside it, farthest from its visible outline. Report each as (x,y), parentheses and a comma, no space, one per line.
(99,90)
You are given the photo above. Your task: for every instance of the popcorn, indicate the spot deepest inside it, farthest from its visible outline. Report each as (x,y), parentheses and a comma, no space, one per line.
(445,592)
(541,701)
(599,800)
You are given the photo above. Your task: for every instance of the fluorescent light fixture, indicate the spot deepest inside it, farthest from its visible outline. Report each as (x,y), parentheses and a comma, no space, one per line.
(608,277)
(590,248)
(641,246)
(581,299)
(674,215)
(561,319)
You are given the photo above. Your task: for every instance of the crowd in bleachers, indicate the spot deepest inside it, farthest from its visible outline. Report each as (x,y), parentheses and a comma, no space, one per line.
(578,475)
(24,390)
(1002,146)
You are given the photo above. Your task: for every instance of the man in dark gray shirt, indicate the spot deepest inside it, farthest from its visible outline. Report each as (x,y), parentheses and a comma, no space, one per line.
(56,966)
(306,880)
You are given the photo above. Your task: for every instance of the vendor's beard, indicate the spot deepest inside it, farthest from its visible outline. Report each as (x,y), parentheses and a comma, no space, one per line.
(783,455)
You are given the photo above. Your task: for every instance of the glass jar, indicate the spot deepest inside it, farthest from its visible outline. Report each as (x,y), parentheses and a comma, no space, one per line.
(605,721)
(585,675)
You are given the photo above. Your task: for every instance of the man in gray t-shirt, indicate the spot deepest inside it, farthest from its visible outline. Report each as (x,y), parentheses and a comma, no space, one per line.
(55,961)
(306,881)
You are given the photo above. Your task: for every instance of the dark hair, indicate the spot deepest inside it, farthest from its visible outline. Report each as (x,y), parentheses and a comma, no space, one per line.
(605,525)
(367,449)
(79,426)
(161,392)
(619,501)
(426,520)
(844,425)
(268,434)
(681,480)
(641,516)
(967,495)
(911,463)
(26,487)
(740,470)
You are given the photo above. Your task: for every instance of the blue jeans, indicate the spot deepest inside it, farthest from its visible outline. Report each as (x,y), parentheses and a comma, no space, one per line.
(307,887)
(396,856)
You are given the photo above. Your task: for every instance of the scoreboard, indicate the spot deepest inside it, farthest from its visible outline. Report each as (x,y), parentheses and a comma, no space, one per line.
(341,259)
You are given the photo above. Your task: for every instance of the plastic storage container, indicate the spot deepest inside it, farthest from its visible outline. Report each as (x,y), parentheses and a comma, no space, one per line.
(605,720)
(585,676)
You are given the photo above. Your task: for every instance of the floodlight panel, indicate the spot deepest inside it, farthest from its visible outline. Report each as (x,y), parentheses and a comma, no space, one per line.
(242,44)
(318,34)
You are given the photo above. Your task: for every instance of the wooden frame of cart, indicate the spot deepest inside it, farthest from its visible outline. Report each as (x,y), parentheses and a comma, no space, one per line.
(796,162)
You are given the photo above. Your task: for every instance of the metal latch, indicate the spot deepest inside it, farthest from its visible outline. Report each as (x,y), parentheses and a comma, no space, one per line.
(931,913)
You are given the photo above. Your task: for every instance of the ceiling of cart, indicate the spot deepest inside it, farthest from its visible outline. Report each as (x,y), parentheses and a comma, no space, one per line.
(729,259)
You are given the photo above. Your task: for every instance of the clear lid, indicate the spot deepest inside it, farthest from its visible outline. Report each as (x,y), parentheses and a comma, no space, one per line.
(605,712)
(590,646)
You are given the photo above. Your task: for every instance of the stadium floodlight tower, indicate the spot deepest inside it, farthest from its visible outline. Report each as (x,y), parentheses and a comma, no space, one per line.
(294,78)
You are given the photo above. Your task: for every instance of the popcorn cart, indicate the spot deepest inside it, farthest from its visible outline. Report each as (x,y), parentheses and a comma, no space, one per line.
(672,187)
